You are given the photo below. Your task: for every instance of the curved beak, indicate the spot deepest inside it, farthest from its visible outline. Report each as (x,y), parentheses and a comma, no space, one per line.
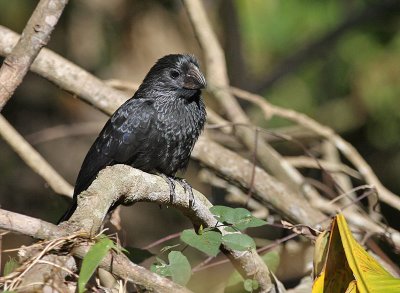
(194,79)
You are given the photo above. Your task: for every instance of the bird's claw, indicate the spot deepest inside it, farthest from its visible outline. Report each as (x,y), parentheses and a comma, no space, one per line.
(188,189)
(186,186)
(171,184)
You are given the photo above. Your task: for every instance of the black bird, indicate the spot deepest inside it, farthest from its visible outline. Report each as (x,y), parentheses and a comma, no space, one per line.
(154,131)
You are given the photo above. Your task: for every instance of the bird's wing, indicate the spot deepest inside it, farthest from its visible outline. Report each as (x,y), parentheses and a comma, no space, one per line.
(121,139)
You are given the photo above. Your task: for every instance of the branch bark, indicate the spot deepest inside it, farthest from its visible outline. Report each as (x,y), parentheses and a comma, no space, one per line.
(36,34)
(124,184)
(346,148)
(68,76)
(118,264)
(266,189)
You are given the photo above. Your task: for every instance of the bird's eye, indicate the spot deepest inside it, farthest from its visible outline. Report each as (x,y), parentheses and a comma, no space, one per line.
(174,74)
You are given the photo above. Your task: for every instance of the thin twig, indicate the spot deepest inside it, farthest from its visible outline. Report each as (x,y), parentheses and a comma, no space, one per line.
(33,159)
(162,240)
(63,131)
(346,148)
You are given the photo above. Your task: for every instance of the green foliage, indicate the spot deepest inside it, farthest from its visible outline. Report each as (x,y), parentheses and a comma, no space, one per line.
(10,266)
(239,218)
(208,242)
(238,241)
(92,259)
(178,269)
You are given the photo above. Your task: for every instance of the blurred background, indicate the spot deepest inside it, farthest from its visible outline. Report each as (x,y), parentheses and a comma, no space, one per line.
(336,61)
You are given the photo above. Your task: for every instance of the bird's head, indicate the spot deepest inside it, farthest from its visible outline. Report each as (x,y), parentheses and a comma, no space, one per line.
(177,72)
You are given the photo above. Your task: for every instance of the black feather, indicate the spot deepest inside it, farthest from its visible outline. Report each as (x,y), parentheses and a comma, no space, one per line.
(156,129)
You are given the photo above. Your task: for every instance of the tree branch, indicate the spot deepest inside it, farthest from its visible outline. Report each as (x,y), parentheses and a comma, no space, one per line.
(36,34)
(33,159)
(126,185)
(218,82)
(118,264)
(346,148)
(68,76)
(266,188)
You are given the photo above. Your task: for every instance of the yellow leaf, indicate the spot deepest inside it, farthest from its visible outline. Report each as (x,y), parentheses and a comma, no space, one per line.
(318,286)
(348,267)
(352,288)
(320,253)
(336,275)
(369,274)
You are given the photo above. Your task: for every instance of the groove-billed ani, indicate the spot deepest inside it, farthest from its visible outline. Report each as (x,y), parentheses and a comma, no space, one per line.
(156,129)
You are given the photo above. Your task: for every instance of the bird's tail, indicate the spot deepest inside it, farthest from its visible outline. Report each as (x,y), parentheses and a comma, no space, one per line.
(69,212)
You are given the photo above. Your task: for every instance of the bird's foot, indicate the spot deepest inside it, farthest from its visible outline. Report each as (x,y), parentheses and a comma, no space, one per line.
(186,186)
(188,189)
(171,183)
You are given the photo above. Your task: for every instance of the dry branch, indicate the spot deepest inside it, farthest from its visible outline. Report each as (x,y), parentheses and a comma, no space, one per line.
(122,183)
(119,264)
(66,79)
(267,189)
(68,76)
(33,159)
(346,148)
(36,34)
(217,77)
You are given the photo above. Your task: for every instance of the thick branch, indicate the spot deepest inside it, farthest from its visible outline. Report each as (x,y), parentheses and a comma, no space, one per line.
(273,193)
(118,264)
(35,35)
(68,76)
(266,188)
(122,183)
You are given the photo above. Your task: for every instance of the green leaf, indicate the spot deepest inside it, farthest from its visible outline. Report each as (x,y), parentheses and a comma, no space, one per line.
(179,267)
(230,229)
(238,241)
(92,259)
(208,242)
(239,217)
(161,269)
(243,219)
(10,266)
(223,213)
(250,285)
